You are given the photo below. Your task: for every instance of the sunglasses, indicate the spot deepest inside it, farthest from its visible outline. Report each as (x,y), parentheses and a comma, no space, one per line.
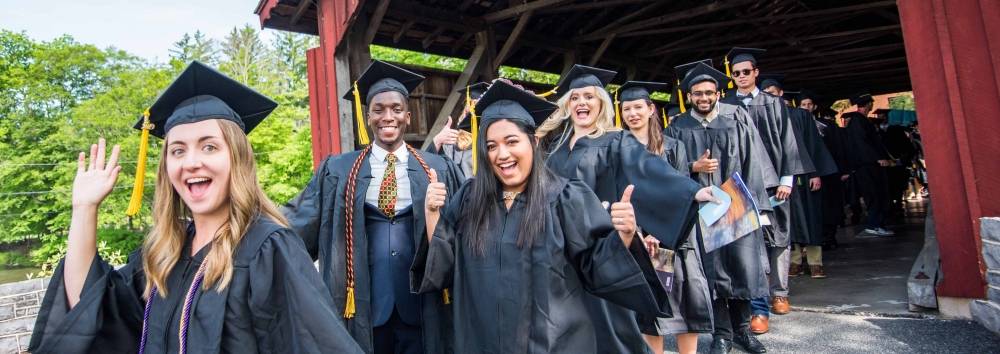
(744,72)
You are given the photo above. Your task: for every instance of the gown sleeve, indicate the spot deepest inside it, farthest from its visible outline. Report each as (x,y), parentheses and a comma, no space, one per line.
(608,269)
(292,312)
(108,317)
(757,170)
(663,198)
(822,159)
(434,262)
(681,158)
(304,212)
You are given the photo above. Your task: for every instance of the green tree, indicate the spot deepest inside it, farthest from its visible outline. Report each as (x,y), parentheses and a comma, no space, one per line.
(196,47)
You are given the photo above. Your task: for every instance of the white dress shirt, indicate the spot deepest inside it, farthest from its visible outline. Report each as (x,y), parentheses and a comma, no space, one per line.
(378,163)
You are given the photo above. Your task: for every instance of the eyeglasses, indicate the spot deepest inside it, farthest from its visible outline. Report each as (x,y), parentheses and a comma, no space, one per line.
(744,72)
(703,93)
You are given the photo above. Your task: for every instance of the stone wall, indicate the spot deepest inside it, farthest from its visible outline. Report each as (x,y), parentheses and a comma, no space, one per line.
(987,312)
(18,307)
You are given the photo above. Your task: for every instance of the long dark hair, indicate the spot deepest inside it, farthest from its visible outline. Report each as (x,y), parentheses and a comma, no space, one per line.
(654,132)
(482,204)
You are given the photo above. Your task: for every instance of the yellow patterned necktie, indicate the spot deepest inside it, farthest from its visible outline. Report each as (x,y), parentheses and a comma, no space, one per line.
(387,190)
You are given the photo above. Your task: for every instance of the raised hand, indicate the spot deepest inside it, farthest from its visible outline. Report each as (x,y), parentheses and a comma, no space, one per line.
(94,181)
(436,195)
(447,136)
(623,216)
(705,163)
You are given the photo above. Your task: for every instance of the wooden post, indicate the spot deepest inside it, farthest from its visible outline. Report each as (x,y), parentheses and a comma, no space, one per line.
(474,66)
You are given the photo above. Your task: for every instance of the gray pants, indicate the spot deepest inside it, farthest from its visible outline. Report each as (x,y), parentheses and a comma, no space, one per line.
(778,259)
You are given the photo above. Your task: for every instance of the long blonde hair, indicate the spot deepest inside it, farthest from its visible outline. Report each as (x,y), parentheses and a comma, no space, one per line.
(164,245)
(559,120)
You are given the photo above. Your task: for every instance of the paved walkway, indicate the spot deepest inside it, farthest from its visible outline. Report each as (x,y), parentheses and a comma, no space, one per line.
(862,306)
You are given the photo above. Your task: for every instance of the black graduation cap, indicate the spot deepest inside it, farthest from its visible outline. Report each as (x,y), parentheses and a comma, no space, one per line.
(505,101)
(201,93)
(383,77)
(861,99)
(810,95)
(474,91)
(701,73)
(584,76)
(635,90)
(768,80)
(682,70)
(739,54)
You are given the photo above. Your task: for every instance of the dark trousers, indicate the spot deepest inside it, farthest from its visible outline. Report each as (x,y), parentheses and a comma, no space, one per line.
(397,337)
(731,315)
(872,186)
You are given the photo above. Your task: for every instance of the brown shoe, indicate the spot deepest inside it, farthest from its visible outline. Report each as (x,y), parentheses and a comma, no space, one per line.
(780,305)
(758,324)
(817,272)
(794,270)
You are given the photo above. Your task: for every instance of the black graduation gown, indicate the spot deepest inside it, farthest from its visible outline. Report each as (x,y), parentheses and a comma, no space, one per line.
(461,158)
(273,304)
(863,143)
(807,205)
(735,270)
(514,300)
(317,215)
(690,283)
(833,188)
(771,116)
(663,201)
(676,155)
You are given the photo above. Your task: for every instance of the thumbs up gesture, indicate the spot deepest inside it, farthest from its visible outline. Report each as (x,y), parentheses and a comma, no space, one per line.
(447,135)
(436,195)
(705,163)
(623,216)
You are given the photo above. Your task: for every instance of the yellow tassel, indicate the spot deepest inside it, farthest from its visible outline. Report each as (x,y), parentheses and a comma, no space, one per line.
(447,296)
(725,61)
(663,113)
(360,117)
(680,96)
(618,117)
(135,202)
(794,104)
(475,129)
(349,306)
(548,93)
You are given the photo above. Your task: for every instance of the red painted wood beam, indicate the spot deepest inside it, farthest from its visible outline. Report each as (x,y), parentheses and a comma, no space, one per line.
(957,94)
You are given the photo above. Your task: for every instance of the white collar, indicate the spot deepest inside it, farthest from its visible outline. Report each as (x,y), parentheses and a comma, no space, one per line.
(753,93)
(380,154)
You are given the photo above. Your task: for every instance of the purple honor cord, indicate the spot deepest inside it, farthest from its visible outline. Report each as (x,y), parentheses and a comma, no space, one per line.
(185,314)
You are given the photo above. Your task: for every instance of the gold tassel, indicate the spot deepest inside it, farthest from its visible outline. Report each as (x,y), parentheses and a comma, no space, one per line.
(680,96)
(360,117)
(349,306)
(618,117)
(475,133)
(548,93)
(663,113)
(135,202)
(794,104)
(446,295)
(725,61)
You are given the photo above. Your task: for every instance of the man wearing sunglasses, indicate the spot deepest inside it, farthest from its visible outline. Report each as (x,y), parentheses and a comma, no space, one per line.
(771,117)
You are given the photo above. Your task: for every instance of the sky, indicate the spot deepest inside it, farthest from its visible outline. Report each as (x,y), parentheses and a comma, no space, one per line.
(146,28)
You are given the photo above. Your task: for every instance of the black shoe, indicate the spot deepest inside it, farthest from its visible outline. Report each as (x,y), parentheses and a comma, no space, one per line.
(748,342)
(720,346)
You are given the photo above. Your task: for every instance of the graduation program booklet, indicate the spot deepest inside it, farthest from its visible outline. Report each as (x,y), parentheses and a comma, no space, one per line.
(712,212)
(740,219)
(663,262)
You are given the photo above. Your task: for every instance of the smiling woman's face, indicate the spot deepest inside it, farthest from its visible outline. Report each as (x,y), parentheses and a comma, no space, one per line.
(198,164)
(510,154)
(583,106)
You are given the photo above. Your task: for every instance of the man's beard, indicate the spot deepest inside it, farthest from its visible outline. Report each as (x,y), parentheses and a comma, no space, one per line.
(710,108)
